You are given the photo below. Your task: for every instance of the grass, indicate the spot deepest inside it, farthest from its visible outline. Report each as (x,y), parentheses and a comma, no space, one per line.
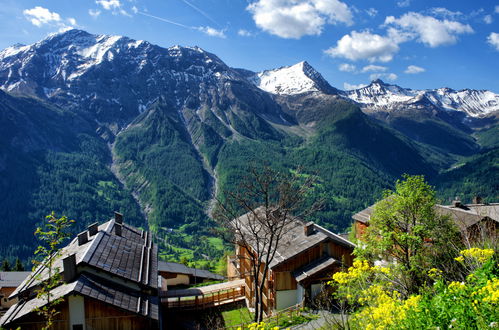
(237,316)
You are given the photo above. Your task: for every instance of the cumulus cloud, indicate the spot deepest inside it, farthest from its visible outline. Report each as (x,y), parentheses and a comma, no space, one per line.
(208,30)
(364,45)
(404,3)
(350,87)
(135,10)
(493,40)
(373,68)
(426,29)
(413,69)
(109,4)
(445,13)
(372,12)
(94,12)
(488,19)
(244,33)
(295,19)
(72,21)
(496,9)
(345,67)
(39,16)
(387,76)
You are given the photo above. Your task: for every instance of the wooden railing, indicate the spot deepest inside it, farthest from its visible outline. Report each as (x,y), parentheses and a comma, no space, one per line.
(203,299)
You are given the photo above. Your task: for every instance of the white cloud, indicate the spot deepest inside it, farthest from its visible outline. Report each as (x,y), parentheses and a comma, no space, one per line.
(372,12)
(109,4)
(39,16)
(295,19)
(208,30)
(350,87)
(493,40)
(445,13)
(488,19)
(71,21)
(345,67)
(426,29)
(387,76)
(496,9)
(373,68)
(404,3)
(94,12)
(364,45)
(135,10)
(413,69)
(244,33)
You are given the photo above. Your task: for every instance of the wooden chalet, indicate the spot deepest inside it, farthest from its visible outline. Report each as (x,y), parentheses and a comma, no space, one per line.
(475,221)
(174,274)
(110,282)
(9,281)
(305,258)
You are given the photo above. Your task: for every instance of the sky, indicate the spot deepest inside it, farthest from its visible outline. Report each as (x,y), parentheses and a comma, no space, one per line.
(415,44)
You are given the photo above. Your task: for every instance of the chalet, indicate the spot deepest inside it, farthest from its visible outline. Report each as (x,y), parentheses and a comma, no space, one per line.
(110,282)
(305,258)
(174,274)
(9,281)
(475,221)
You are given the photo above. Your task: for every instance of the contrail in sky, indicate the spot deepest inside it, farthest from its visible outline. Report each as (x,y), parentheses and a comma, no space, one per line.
(200,11)
(167,20)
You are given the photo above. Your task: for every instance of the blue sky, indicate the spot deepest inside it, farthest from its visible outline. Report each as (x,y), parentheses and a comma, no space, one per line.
(415,44)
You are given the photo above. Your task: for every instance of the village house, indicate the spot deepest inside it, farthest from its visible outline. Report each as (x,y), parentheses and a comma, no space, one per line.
(475,221)
(9,281)
(110,282)
(174,274)
(306,257)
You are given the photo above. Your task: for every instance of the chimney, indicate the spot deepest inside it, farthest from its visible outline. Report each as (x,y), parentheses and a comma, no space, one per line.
(117,229)
(118,217)
(69,268)
(477,200)
(82,238)
(93,229)
(309,228)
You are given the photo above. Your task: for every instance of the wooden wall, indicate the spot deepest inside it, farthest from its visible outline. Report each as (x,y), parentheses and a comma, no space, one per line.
(33,321)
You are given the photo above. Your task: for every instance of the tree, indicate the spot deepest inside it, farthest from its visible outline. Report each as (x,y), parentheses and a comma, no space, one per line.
(6,266)
(52,234)
(19,267)
(405,228)
(268,198)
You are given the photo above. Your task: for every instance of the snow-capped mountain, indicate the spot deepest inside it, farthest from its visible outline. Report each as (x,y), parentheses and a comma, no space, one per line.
(379,96)
(290,80)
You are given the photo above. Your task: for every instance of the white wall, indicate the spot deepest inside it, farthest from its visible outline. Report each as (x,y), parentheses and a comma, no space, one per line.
(76,310)
(286,298)
(316,289)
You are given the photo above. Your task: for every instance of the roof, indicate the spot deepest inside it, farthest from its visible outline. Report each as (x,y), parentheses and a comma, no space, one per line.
(314,268)
(204,290)
(87,286)
(12,279)
(466,216)
(365,215)
(131,256)
(294,240)
(176,268)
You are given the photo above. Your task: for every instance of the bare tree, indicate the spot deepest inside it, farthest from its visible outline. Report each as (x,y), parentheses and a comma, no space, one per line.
(268,199)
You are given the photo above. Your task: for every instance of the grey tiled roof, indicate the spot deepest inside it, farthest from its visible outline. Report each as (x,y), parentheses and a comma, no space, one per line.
(87,286)
(173,267)
(131,256)
(364,216)
(12,279)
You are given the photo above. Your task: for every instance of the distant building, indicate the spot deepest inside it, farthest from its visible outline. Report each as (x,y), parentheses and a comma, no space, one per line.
(475,221)
(174,274)
(9,281)
(306,257)
(110,282)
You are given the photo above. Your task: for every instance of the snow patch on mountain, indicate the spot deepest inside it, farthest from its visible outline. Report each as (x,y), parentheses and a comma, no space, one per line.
(379,96)
(289,80)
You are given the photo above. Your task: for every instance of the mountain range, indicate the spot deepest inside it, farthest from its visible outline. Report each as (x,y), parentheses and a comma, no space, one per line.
(95,123)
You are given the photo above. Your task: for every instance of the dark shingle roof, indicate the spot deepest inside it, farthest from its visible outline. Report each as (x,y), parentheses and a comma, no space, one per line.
(176,268)
(12,279)
(90,287)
